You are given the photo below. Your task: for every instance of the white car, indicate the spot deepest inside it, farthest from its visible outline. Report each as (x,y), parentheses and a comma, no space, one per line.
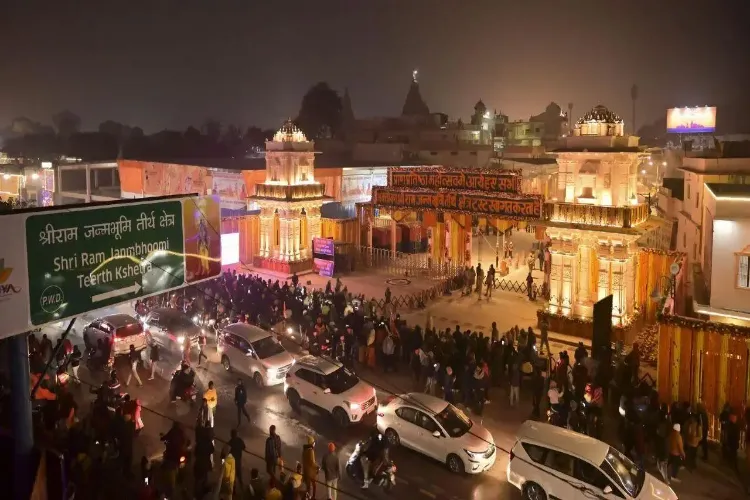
(551,462)
(327,384)
(119,330)
(255,352)
(439,430)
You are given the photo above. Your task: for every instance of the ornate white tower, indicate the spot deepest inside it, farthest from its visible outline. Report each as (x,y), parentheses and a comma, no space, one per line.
(290,202)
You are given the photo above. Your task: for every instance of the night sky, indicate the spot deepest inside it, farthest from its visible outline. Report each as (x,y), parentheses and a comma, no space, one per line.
(249,62)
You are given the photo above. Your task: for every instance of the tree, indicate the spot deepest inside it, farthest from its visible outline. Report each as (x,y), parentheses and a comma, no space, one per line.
(212,129)
(255,137)
(66,122)
(320,112)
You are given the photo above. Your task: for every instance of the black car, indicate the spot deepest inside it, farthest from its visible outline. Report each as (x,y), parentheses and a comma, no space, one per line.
(171,329)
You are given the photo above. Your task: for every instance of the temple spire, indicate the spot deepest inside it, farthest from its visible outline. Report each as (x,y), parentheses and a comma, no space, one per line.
(414,105)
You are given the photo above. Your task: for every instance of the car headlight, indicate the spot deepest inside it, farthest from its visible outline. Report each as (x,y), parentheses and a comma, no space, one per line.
(181,339)
(474,455)
(271,372)
(196,319)
(352,406)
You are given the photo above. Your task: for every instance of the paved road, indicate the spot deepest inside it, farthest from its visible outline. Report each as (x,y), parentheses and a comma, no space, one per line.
(418,477)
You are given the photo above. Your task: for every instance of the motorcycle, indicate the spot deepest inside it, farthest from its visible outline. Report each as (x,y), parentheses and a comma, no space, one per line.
(384,476)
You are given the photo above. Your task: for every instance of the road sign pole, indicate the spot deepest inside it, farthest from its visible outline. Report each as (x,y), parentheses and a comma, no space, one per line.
(23,433)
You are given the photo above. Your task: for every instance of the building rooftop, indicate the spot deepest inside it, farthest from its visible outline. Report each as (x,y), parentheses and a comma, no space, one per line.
(322,160)
(583,149)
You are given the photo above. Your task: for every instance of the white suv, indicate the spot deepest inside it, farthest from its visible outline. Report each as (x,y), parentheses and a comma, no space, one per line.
(551,462)
(322,382)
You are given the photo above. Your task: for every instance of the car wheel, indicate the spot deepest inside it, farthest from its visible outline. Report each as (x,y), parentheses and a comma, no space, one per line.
(455,464)
(532,491)
(258,379)
(225,363)
(340,417)
(392,437)
(294,400)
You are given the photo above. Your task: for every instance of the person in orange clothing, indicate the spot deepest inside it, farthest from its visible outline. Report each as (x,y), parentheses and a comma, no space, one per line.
(676,452)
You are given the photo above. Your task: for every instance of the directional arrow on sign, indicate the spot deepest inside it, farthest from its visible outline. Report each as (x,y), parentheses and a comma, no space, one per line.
(134,288)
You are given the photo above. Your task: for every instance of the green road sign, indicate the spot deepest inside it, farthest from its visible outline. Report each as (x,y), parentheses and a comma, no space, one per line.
(83,260)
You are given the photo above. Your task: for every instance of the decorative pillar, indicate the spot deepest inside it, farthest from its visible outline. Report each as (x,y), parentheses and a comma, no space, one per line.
(266,226)
(619,307)
(567,283)
(584,276)
(555,282)
(313,223)
(296,234)
(467,240)
(284,242)
(394,229)
(605,266)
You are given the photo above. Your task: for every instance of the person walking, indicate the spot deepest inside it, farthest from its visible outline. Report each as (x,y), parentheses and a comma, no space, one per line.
(272,451)
(515,384)
(676,452)
(448,383)
(213,399)
(693,436)
(331,471)
(133,359)
(201,347)
(228,475)
(240,399)
(310,467)
(237,448)
(154,358)
(75,363)
(544,337)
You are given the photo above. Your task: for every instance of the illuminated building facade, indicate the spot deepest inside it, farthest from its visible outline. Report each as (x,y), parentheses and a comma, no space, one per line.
(593,218)
(289,202)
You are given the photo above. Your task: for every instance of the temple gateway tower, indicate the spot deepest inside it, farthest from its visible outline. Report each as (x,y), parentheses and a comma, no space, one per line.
(290,202)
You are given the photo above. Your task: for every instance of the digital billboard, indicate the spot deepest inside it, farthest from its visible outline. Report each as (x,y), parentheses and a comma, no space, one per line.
(323,246)
(691,120)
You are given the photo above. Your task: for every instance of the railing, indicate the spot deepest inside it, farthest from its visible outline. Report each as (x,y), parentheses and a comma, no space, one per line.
(419,299)
(595,215)
(406,264)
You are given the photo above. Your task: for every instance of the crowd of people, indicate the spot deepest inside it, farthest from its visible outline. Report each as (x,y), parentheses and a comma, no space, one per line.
(464,367)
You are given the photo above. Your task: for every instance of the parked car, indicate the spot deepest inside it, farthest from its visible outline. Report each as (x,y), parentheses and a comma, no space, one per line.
(171,328)
(255,352)
(327,384)
(552,462)
(439,430)
(121,330)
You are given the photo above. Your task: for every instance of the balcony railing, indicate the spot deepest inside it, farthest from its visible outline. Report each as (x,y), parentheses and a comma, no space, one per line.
(595,215)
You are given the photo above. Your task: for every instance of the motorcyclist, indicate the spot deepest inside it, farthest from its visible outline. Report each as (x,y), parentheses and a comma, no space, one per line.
(176,444)
(182,381)
(374,453)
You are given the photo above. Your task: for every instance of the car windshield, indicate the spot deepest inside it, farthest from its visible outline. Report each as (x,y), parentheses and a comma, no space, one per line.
(267,347)
(340,381)
(624,472)
(454,421)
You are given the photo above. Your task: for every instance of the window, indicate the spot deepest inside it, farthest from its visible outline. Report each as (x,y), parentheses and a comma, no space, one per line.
(688,190)
(306,375)
(408,414)
(341,380)
(593,476)
(426,422)
(536,453)
(560,462)
(743,271)
(620,469)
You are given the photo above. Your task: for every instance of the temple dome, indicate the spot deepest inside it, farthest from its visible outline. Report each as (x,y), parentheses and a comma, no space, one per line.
(600,114)
(289,133)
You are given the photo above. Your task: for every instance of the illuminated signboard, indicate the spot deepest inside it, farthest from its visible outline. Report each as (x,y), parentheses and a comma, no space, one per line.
(323,267)
(691,120)
(452,178)
(523,207)
(322,246)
